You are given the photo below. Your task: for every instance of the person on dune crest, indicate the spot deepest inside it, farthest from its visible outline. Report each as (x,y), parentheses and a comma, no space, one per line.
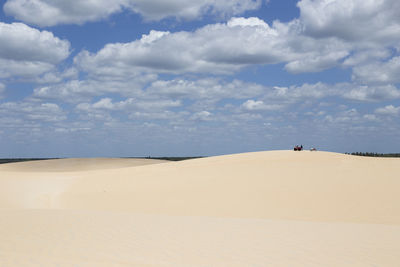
(298,148)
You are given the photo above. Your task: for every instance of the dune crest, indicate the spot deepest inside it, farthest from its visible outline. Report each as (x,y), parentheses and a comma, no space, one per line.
(76,164)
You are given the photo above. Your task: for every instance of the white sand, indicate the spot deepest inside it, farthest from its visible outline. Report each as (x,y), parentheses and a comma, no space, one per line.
(279,208)
(76,164)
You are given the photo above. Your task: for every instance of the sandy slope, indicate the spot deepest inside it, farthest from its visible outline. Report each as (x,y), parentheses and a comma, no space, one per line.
(76,164)
(279,208)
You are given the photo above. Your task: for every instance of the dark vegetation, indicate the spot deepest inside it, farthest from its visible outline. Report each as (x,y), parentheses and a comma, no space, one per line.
(32,159)
(21,160)
(372,154)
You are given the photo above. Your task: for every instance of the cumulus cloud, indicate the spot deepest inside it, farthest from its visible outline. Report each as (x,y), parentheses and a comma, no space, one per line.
(370,30)
(202,116)
(352,20)
(252,21)
(348,91)
(41,55)
(44,112)
(104,109)
(58,76)
(316,63)
(254,105)
(293,94)
(205,93)
(216,48)
(369,93)
(327,34)
(128,104)
(388,110)
(83,90)
(378,72)
(50,13)
(207,88)
(159,9)
(286,96)
(344,117)
(366,56)
(43,46)
(167,115)
(28,69)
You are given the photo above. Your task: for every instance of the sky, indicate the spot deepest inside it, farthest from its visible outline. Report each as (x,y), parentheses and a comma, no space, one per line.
(126,78)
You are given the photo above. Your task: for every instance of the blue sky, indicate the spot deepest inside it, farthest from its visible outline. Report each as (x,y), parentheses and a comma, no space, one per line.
(183,78)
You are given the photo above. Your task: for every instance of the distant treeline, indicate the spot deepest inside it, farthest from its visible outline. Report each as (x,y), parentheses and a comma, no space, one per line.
(21,160)
(161,158)
(372,154)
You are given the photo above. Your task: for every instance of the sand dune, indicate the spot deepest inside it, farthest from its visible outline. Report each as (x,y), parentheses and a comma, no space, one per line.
(278,208)
(76,164)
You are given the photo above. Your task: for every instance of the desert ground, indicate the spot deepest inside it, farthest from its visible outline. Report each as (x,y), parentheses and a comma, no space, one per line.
(274,208)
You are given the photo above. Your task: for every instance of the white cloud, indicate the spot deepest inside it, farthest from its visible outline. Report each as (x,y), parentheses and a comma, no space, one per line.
(28,52)
(369,93)
(202,116)
(316,63)
(221,48)
(83,90)
(21,42)
(344,117)
(310,93)
(254,105)
(306,91)
(388,110)
(57,77)
(379,72)
(128,105)
(321,38)
(365,56)
(12,68)
(108,110)
(50,13)
(370,117)
(352,20)
(191,9)
(217,48)
(253,21)
(352,91)
(152,36)
(44,112)
(207,88)
(158,115)
(369,30)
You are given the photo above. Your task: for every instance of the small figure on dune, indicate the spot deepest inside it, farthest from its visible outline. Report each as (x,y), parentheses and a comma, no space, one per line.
(298,148)
(313,149)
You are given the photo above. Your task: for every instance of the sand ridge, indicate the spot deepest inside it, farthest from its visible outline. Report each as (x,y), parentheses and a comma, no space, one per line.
(275,208)
(271,185)
(76,164)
